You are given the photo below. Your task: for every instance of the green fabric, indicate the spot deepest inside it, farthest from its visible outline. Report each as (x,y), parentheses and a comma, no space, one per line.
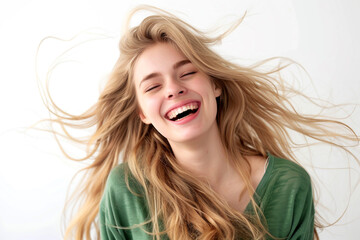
(284,194)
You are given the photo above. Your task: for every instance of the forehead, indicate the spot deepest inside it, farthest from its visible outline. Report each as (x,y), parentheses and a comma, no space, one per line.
(159,57)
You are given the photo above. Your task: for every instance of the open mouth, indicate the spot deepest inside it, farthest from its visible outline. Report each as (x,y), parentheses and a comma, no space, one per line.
(183,111)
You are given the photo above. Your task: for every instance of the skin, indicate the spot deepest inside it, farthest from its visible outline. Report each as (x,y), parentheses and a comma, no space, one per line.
(164,80)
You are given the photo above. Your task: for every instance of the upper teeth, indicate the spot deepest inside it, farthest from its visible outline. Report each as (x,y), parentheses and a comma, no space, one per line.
(173,113)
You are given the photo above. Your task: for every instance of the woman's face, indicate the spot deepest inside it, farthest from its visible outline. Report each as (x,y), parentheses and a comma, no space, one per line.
(173,95)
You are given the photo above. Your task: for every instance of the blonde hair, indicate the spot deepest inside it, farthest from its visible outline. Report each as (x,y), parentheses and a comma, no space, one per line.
(254,117)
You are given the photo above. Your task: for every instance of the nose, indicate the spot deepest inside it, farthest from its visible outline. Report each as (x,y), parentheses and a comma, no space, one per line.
(174,89)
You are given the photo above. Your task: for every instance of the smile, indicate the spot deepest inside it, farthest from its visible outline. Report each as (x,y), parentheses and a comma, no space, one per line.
(181,112)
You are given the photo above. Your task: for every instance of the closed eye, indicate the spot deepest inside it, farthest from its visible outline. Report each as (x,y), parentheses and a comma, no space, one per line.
(189,73)
(151,88)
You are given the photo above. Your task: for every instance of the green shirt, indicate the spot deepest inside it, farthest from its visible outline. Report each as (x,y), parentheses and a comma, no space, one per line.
(284,194)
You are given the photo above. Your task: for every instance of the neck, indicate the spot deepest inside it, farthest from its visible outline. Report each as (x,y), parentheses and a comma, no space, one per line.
(204,156)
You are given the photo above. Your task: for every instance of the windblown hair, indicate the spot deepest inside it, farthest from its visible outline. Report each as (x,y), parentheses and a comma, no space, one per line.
(254,116)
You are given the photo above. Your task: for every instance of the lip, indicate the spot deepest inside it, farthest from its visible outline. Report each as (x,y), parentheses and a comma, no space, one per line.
(180,104)
(187,118)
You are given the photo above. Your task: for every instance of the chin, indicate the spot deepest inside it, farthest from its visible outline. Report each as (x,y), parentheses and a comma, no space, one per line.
(185,137)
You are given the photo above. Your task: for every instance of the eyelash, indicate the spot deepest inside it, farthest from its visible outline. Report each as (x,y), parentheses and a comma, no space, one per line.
(186,74)
(151,88)
(189,73)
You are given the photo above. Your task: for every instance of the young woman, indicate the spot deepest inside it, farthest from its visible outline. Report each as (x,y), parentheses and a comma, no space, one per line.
(205,145)
(194,176)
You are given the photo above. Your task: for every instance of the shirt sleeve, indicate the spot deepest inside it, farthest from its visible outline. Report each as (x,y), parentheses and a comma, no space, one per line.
(303,215)
(123,213)
(107,213)
(107,230)
(289,207)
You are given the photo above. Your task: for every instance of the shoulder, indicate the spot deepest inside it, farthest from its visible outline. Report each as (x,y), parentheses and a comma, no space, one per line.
(286,199)
(288,172)
(117,175)
(123,204)
(283,179)
(121,185)
(284,182)
(116,179)
(123,196)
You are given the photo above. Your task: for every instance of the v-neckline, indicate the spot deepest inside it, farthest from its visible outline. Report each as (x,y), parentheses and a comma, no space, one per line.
(262,182)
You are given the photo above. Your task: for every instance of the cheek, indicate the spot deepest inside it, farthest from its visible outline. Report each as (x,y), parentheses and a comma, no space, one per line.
(150,107)
(203,84)
(206,88)
(141,105)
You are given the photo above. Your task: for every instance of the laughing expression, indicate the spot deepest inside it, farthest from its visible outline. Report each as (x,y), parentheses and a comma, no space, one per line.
(173,95)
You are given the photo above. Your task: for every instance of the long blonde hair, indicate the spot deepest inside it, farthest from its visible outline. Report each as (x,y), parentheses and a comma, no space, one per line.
(254,117)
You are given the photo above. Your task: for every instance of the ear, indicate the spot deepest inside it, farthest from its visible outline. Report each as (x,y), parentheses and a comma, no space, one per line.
(217,91)
(143,118)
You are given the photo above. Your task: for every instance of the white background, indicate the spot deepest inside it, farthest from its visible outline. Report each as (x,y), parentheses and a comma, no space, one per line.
(323,35)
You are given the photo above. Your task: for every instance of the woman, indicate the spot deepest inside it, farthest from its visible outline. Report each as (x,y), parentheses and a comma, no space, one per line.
(178,100)
(205,144)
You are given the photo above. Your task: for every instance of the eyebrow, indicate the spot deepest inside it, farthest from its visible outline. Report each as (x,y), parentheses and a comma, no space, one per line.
(155,74)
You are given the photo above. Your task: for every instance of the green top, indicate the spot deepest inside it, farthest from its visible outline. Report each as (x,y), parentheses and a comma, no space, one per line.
(284,194)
